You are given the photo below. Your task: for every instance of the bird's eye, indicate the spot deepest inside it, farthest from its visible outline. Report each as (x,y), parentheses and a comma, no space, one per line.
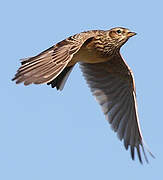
(118,31)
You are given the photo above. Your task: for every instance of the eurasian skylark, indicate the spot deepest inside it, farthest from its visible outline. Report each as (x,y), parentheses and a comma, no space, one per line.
(109,77)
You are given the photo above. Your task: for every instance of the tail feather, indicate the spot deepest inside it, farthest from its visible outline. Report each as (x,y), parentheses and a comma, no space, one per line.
(61,79)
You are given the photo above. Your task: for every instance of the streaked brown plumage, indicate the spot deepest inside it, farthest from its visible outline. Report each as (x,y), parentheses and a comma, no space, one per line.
(109,77)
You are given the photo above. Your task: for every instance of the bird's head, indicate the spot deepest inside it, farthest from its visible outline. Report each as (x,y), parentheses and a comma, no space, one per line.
(119,35)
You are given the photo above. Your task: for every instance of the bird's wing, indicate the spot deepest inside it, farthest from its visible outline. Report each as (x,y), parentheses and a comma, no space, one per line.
(113,86)
(50,63)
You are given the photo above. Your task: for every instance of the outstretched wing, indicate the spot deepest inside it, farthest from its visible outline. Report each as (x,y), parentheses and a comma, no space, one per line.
(113,86)
(47,65)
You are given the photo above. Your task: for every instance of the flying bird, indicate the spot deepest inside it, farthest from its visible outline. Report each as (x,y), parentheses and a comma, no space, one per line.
(109,77)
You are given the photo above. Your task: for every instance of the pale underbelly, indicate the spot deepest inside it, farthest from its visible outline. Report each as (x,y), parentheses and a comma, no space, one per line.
(88,57)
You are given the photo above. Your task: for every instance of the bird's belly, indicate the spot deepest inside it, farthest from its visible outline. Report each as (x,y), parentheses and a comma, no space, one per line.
(88,56)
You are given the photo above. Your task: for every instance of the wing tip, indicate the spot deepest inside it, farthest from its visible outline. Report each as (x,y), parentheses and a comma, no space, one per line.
(139,150)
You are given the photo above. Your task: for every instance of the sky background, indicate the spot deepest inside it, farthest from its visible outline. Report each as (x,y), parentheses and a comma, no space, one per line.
(47,134)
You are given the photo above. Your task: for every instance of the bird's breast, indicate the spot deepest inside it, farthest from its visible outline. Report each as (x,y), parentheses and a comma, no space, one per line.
(91,53)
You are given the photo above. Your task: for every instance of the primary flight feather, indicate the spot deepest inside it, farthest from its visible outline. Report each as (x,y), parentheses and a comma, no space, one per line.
(107,74)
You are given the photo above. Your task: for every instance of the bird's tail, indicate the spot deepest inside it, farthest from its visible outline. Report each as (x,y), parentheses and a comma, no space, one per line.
(61,79)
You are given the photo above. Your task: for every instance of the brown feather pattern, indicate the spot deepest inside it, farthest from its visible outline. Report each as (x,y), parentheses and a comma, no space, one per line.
(47,65)
(113,86)
(110,79)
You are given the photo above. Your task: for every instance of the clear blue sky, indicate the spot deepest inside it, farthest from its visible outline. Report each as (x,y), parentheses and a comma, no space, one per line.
(47,134)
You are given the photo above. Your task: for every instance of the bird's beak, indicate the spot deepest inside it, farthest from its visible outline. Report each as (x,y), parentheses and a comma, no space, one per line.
(130,34)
